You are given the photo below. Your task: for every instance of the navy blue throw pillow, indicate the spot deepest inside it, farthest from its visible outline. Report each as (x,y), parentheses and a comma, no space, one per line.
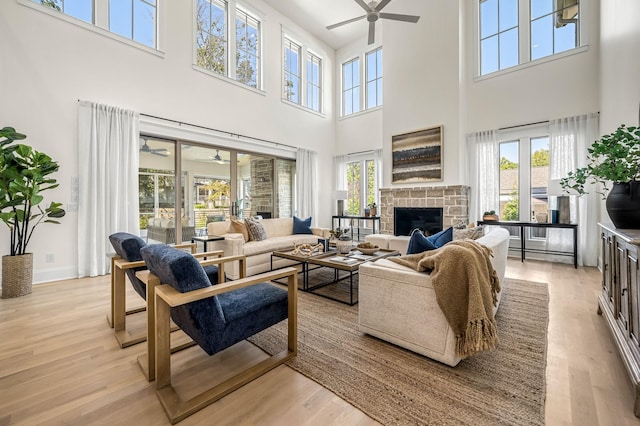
(418,243)
(302,226)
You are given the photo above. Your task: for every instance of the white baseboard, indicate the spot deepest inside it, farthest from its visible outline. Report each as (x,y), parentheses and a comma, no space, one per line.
(54,274)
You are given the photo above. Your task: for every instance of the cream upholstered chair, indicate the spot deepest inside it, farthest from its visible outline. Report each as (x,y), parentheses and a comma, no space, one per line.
(215,317)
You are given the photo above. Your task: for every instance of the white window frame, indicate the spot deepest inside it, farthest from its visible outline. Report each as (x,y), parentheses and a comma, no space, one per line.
(306,50)
(523,136)
(100,24)
(379,75)
(311,59)
(233,7)
(343,91)
(225,6)
(362,97)
(289,44)
(248,15)
(524,39)
(133,21)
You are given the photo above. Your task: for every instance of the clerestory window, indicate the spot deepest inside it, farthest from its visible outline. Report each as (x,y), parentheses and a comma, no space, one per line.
(228,41)
(135,20)
(513,32)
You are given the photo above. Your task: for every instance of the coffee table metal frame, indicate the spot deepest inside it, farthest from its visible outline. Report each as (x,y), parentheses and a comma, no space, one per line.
(323,260)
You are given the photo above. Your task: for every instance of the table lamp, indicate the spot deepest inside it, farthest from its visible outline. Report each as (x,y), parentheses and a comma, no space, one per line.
(560,210)
(341,195)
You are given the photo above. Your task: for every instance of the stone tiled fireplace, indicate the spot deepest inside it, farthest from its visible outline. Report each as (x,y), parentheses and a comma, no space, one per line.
(454,201)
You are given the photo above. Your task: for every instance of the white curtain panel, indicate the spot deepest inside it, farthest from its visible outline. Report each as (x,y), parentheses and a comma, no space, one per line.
(569,139)
(483,162)
(340,167)
(108,175)
(377,155)
(307,183)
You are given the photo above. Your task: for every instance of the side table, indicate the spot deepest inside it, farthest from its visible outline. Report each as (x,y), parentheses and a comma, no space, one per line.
(204,239)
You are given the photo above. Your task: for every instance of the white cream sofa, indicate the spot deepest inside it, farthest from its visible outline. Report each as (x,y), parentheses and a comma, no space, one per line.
(397,304)
(258,253)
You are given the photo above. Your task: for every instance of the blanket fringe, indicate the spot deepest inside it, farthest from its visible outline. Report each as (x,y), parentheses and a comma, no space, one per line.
(481,335)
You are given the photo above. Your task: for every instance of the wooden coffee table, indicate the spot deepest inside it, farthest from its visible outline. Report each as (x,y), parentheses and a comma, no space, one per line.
(349,263)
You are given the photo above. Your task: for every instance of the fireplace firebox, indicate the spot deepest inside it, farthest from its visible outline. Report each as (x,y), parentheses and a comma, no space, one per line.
(406,219)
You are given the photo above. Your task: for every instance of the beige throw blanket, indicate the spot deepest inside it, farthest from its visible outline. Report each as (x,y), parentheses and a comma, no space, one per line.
(466,287)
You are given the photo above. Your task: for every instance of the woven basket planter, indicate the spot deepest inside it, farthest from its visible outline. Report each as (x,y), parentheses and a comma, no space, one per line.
(17,275)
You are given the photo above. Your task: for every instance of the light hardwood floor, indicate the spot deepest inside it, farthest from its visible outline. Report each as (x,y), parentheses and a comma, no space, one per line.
(60,364)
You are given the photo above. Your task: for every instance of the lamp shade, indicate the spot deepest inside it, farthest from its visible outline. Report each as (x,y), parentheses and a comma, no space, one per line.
(554,188)
(341,194)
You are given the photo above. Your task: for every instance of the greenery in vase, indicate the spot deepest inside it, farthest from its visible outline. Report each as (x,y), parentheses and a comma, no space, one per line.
(614,158)
(24,175)
(339,233)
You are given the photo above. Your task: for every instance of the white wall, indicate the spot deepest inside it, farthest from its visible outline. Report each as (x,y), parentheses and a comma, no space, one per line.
(48,64)
(619,66)
(421,80)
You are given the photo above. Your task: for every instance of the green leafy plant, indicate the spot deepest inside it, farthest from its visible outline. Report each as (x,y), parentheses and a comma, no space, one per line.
(24,175)
(614,158)
(372,205)
(489,213)
(338,232)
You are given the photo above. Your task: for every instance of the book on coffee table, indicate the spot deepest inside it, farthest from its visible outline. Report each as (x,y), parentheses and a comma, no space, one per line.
(342,259)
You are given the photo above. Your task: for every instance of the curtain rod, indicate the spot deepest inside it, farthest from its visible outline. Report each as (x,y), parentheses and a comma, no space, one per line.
(217,130)
(524,125)
(220,131)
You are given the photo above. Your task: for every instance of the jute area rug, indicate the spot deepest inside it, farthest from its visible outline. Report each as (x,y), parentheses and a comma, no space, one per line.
(395,386)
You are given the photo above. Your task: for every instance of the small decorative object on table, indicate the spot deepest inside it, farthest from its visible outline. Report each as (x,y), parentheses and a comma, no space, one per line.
(341,239)
(306,249)
(490,215)
(373,209)
(367,248)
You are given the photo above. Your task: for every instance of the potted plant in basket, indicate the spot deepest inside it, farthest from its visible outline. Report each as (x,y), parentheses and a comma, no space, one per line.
(615,160)
(341,239)
(24,175)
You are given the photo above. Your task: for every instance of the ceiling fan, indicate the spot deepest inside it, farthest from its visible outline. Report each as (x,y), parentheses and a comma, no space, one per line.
(162,152)
(219,159)
(374,13)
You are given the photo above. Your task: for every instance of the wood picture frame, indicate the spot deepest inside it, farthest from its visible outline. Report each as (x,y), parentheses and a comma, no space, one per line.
(417,156)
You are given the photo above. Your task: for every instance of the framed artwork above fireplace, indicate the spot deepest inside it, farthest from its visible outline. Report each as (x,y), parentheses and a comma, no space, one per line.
(417,156)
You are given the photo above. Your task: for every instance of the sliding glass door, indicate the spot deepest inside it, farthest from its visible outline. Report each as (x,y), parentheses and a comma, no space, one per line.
(211,180)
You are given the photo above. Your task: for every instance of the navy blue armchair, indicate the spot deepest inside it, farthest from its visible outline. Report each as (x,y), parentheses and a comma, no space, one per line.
(215,317)
(127,262)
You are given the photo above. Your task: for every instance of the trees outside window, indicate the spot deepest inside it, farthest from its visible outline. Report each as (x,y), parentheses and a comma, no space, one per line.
(292,71)
(211,35)
(228,41)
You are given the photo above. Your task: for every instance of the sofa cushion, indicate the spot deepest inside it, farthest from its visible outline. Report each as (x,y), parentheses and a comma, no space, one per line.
(302,226)
(472,233)
(253,248)
(418,243)
(255,229)
(240,227)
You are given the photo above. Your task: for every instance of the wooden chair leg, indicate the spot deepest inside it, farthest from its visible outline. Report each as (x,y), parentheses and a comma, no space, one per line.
(119,310)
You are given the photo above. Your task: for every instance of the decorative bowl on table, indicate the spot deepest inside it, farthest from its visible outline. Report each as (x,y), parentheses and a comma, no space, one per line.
(367,248)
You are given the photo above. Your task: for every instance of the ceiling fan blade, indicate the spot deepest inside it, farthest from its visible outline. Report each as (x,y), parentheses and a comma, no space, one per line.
(372,30)
(382,4)
(339,24)
(397,17)
(364,5)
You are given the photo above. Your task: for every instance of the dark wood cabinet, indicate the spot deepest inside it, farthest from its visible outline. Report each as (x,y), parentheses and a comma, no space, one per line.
(619,301)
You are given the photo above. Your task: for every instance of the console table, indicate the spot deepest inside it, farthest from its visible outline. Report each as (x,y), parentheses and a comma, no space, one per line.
(523,225)
(373,220)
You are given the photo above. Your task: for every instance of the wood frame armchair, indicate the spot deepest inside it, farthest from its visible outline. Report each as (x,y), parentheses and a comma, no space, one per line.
(147,361)
(120,267)
(167,297)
